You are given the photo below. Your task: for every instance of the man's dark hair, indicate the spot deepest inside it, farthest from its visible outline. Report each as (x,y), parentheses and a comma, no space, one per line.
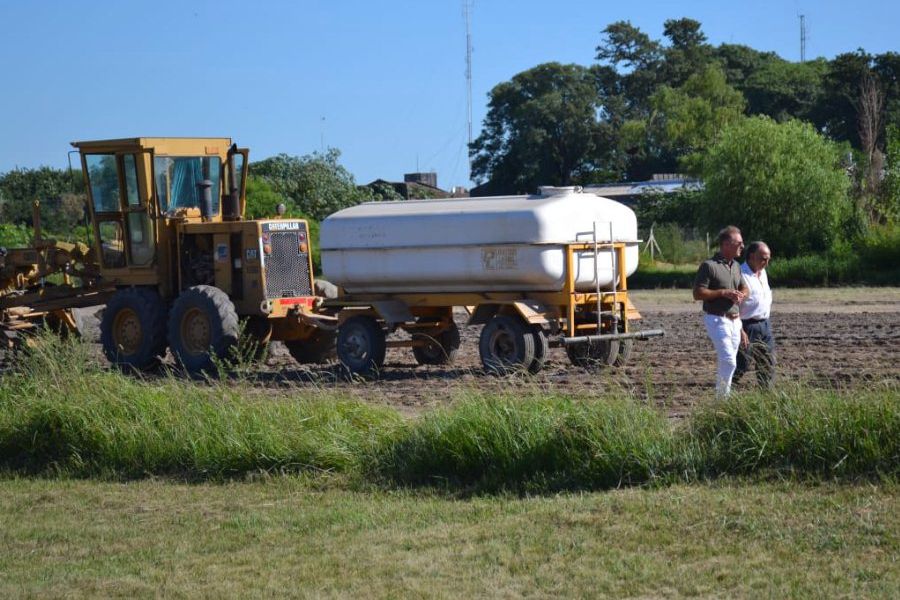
(726,233)
(754,247)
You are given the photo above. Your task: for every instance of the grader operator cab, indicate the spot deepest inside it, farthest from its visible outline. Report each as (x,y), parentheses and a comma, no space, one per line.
(181,265)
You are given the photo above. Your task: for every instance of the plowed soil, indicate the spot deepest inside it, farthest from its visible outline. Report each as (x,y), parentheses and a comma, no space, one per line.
(825,338)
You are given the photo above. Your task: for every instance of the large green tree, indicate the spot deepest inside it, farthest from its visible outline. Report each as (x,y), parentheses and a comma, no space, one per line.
(317,184)
(780,182)
(541,129)
(58,190)
(688,119)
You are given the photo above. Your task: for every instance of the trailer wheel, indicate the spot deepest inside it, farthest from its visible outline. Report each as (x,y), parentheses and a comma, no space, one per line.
(316,349)
(624,355)
(133,329)
(541,349)
(203,326)
(596,355)
(361,346)
(440,348)
(506,345)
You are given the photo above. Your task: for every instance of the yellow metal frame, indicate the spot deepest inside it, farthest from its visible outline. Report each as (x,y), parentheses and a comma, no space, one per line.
(564,304)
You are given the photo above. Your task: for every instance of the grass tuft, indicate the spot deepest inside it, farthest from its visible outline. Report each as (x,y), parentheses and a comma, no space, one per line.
(544,443)
(796,431)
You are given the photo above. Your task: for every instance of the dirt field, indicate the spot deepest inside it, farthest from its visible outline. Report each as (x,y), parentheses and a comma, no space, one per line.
(825,337)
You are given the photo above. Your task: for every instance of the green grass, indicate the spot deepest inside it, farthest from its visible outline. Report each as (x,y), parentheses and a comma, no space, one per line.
(60,413)
(63,413)
(316,537)
(540,443)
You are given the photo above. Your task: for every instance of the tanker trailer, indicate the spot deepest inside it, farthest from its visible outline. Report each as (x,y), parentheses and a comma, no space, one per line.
(537,271)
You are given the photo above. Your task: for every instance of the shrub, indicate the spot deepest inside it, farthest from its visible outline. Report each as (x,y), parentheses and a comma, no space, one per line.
(780,182)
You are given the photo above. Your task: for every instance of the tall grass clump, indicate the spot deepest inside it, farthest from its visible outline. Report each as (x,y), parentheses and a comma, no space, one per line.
(534,443)
(91,422)
(799,431)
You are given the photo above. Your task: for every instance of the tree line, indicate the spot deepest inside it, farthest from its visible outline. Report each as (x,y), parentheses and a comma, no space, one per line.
(806,154)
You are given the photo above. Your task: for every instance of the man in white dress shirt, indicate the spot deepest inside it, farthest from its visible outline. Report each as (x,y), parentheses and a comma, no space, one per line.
(757,341)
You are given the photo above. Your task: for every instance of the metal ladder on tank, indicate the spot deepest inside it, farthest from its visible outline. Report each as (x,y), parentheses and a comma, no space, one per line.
(615,286)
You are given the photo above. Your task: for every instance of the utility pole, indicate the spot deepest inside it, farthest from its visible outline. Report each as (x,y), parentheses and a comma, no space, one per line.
(467,5)
(802,38)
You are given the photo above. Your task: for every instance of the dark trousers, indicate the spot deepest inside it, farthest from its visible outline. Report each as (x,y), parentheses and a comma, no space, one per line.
(761,352)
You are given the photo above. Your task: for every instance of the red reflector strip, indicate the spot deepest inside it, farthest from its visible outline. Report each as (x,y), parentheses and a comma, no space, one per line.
(308,301)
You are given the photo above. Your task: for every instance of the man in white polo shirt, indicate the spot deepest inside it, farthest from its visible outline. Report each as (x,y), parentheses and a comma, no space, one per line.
(757,342)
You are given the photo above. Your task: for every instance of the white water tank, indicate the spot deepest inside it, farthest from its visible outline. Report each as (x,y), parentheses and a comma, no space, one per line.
(493,244)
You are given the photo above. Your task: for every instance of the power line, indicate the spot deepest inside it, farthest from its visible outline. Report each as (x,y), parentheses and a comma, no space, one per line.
(802,38)
(467,6)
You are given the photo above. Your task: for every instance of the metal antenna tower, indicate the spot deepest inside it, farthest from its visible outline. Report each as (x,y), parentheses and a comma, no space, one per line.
(467,6)
(802,38)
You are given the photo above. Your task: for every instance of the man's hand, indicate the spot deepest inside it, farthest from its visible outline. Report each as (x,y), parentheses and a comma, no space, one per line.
(735,296)
(745,340)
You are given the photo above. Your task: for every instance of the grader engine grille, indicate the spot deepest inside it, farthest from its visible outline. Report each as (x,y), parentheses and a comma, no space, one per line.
(286,252)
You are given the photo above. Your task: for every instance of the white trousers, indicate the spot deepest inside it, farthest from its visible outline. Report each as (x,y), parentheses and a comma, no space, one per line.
(725,334)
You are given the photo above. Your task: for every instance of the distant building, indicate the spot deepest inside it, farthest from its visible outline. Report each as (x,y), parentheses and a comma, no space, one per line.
(626,192)
(416,185)
(630,192)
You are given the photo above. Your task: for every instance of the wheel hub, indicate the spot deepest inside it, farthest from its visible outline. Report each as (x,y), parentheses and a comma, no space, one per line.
(196,331)
(127,333)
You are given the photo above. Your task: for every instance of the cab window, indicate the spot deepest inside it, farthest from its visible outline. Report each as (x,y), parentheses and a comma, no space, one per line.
(104,182)
(177,179)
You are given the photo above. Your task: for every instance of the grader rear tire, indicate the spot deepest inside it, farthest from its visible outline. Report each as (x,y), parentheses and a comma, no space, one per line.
(133,329)
(203,327)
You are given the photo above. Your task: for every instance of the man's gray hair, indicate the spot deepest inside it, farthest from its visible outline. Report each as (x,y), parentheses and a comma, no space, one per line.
(755,247)
(726,233)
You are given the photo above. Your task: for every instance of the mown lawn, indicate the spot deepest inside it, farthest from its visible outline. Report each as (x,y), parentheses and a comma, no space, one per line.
(320,536)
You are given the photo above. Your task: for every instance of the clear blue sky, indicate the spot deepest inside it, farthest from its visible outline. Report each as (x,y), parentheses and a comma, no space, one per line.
(383,81)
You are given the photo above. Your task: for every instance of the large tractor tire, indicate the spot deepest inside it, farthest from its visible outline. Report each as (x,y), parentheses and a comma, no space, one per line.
(316,349)
(506,345)
(133,329)
(541,349)
(203,327)
(440,347)
(594,356)
(361,346)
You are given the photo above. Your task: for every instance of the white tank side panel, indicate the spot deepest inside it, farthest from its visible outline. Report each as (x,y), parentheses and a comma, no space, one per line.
(500,220)
(465,269)
(452,244)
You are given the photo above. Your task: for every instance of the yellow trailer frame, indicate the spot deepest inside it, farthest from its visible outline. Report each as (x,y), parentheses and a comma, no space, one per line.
(574,318)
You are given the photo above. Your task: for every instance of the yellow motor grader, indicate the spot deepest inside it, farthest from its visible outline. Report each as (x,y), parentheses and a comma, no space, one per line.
(173,259)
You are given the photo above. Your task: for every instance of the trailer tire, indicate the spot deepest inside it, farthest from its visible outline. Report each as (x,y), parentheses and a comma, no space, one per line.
(597,355)
(203,327)
(624,354)
(440,347)
(541,349)
(133,329)
(506,345)
(361,346)
(317,349)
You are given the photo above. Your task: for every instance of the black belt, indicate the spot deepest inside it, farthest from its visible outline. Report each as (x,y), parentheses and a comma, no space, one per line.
(753,321)
(723,314)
